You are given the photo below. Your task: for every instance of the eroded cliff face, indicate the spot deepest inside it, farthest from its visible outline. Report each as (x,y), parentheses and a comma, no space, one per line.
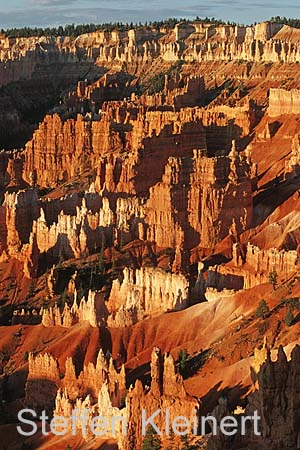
(165,392)
(292,165)
(277,400)
(142,205)
(282,101)
(144,292)
(191,200)
(100,389)
(20,58)
(60,151)
(251,266)
(34,74)
(85,59)
(85,311)
(196,41)
(47,379)
(159,168)
(42,381)
(170,190)
(222,185)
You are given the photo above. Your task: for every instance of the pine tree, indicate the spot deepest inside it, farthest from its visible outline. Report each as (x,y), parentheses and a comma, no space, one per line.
(183,356)
(171,444)
(185,443)
(113,268)
(262,310)
(30,290)
(63,298)
(101,264)
(289,318)
(273,279)
(151,440)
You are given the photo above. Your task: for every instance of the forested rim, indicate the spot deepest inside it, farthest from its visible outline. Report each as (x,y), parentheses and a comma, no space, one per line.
(76,30)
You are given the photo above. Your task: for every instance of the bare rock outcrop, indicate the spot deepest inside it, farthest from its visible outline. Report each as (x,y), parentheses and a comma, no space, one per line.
(116,417)
(276,400)
(63,147)
(26,317)
(220,195)
(282,101)
(45,379)
(42,382)
(191,94)
(144,292)
(292,165)
(171,204)
(251,266)
(85,311)
(99,390)
(20,58)
(92,377)
(18,212)
(166,393)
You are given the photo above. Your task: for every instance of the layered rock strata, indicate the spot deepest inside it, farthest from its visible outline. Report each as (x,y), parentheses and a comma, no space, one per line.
(144,292)
(251,266)
(45,379)
(282,101)
(86,311)
(166,392)
(277,400)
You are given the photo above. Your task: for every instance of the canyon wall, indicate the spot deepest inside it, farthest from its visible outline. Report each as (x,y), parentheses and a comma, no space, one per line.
(251,266)
(26,317)
(85,311)
(282,101)
(21,58)
(277,400)
(24,58)
(204,42)
(221,185)
(259,263)
(292,165)
(144,292)
(46,378)
(100,389)
(61,150)
(191,94)
(165,392)
(42,382)
(182,200)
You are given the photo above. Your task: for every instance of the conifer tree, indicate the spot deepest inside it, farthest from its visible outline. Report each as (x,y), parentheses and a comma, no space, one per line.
(151,440)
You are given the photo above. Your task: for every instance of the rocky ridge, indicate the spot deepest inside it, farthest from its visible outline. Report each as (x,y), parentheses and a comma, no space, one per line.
(144,206)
